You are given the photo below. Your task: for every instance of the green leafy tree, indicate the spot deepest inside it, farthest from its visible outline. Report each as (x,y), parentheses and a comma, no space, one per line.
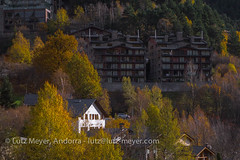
(164,125)
(6,94)
(50,120)
(84,78)
(129,93)
(20,49)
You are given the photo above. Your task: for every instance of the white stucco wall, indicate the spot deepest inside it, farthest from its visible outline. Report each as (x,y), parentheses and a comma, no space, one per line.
(95,123)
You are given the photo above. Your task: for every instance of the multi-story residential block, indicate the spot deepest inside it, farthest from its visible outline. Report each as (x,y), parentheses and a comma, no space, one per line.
(174,58)
(25,13)
(114,55)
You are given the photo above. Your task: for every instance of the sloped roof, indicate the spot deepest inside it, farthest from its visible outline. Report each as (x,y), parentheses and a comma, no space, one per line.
(76,106)
(199,149)
(30,99)
(187,135)
(79,106)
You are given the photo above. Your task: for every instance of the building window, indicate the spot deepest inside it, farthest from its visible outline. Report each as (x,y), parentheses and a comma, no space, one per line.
(130,52)
(86,116)
(205,53)
(139,66)
(115,73)
(181,66)
(181,59)
(166,66)
(96,116)
(109,59)
(166,59)
(175,66)
(189,52)
(110,80)
(195,52)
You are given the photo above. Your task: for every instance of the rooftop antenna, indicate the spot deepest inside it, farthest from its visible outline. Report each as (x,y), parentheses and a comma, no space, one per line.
(201,34)
(89,36)
(155,34)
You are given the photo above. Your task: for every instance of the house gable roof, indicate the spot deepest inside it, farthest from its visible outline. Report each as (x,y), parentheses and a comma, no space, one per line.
(187,136)
(199,149)
(79,106)
(76,106)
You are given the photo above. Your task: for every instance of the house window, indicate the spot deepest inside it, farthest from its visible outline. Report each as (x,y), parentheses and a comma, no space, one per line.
(96,116)
(86,116)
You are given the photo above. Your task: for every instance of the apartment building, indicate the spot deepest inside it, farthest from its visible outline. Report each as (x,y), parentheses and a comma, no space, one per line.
(27,13)
(174,58)
(114,55)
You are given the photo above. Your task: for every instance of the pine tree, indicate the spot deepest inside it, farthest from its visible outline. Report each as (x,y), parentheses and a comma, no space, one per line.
(6,94)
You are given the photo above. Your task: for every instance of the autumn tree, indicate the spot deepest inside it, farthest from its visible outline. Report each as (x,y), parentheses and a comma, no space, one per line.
(198,126)
(50,120)
(104,150)
(223,44)
(115,123)
(20,49)
(56,53)
(79,15)
(129,94)
(62,19)
(63,83)
(37,44)
(105,102)
(84,78)
(164,125)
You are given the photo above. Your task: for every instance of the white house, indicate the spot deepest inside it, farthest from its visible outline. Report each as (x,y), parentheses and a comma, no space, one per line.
(89,112)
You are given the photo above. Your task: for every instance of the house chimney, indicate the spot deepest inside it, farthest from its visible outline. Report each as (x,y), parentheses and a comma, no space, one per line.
(114,35)
(89,35)
(166,38)
(202,35)
(179,36)
(138,33)
(100,37)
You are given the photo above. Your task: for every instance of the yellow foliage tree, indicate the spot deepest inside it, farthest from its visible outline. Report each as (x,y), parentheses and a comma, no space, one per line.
(232,68)
(223,44)
(84,78)
(79,12)
(20,49)
(238,34)
(104,101)
(188,21)
(50,120)
(115,123)
(62,19)
(103,150)
(56,53)
(38,44)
